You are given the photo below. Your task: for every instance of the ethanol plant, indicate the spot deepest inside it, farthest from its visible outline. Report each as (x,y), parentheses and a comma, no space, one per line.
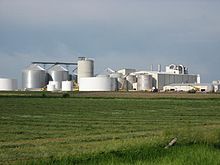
(56,76)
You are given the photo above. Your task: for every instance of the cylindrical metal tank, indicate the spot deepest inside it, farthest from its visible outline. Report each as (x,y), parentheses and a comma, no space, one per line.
(114,84)
(34,76)
(95,84)
(67,86)
(131,79)
(7,84)
(121,81)
(85,68)
(57,84)
(58,73)
(144,82)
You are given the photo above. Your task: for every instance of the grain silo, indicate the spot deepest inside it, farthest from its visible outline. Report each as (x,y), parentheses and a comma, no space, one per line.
(85,68)
(33,77)
(58,74)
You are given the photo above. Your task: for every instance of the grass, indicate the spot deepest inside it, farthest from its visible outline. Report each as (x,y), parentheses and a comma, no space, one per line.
(91,129)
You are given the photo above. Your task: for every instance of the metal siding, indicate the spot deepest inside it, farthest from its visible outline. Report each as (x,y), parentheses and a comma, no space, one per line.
(33,76)
(172,79)
(167,79)
(161,81)
(185,78)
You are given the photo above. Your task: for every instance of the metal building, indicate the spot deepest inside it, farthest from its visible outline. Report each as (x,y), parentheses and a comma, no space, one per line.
(188,86)
(33,77)
(174,74)
(126,71)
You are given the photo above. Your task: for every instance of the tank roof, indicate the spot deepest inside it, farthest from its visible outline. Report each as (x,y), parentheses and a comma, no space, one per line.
(34,67)
(57,68)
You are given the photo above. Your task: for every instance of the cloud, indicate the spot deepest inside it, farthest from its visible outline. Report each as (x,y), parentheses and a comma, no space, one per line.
(117,33)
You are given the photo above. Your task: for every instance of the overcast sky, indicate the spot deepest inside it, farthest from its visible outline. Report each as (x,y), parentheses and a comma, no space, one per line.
(116,33)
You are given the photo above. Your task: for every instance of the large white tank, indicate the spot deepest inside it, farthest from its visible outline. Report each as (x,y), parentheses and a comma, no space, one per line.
(7,84)
(144,82)
(67,86)
(58,73)
(131,79)
(95,84)
(85,68)
(34,76)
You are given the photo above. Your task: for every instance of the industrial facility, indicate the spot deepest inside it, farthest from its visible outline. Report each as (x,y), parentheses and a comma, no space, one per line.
(55,76)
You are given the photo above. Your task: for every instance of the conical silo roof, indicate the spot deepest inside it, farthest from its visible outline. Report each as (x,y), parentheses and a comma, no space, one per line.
(57,68)
(34,67)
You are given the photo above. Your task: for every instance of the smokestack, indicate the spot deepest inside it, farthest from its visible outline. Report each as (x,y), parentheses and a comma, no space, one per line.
(151,67)
(159,68)
(198,79)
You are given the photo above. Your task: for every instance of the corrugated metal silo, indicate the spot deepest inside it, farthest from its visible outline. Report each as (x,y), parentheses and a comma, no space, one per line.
(58,73)
(34,76)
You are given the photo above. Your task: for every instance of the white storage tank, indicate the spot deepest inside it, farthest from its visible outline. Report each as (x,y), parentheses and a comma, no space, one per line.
(51,87)
(33,77)
(85,68)
(67,86)
(7,84)
(56,84)
(131,79)
(144,82)
(216,87)
(58,73)
(95,84)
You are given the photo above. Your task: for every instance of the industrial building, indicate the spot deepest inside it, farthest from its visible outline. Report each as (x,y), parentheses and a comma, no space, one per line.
(188,87)
(173,74)
(55,76)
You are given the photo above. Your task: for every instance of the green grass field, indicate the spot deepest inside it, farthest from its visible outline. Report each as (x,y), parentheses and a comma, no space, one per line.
(94,129)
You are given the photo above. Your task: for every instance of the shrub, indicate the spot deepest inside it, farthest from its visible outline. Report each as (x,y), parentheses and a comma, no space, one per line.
(66,95)
(192,91)
(44,95)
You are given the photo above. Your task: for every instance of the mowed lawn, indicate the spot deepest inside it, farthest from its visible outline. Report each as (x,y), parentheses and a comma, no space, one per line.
(109,131)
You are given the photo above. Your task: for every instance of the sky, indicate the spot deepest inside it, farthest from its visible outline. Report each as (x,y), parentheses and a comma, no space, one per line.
(115,33)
